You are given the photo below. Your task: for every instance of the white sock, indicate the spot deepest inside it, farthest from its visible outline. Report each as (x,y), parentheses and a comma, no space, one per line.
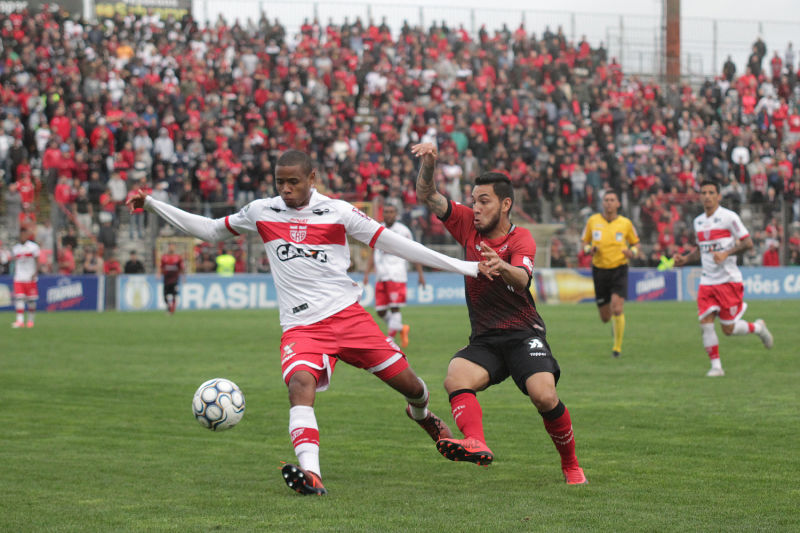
(395,320)
(711,344)
(742,327)
(31,311)
(19,305)
(417,412)
(304,432)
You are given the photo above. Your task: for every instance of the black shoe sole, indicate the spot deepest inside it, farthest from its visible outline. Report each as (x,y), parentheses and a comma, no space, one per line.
(456,452)
(296,480)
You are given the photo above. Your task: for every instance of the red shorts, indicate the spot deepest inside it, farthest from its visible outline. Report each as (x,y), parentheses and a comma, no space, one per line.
(350,335)
(389,294)
(26,288)
(726,299)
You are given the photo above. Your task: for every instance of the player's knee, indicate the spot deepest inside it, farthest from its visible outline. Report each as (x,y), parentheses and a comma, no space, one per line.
(302,386)
(544,400)
(727,329)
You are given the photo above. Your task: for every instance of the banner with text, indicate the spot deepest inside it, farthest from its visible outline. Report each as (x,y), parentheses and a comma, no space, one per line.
(568,285)
(760,283)
(257,291)
(60,293)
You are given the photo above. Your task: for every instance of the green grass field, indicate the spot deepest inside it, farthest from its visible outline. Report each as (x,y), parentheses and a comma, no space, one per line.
(99,436)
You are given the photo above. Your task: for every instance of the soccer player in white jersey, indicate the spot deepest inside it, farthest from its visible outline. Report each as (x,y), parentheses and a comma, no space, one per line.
(391,275)
(720,236)
(304,234)
(25,255)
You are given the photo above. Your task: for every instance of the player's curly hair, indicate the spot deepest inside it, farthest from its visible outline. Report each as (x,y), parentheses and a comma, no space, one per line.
(501,184)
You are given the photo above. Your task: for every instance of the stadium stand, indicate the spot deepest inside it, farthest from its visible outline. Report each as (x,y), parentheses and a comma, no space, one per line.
(90,112)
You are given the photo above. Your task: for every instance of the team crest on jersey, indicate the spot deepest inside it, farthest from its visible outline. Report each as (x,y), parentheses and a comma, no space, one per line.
(618,237)
(298,232)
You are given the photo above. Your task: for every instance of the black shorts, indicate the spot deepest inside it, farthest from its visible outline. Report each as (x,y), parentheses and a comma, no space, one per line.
(608,281)
(171,288)
(518,354)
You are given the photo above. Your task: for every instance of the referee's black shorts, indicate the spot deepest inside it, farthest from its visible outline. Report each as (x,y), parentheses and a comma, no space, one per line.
(608,281)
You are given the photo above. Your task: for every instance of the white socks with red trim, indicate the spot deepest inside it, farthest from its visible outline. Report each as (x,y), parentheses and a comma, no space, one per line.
(304,433)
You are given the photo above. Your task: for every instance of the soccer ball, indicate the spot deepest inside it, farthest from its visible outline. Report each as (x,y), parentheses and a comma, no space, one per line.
(218,404)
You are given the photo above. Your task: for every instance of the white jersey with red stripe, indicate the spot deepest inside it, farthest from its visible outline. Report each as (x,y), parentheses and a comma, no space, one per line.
(308,253)
(389,267)
(26,261)
(715,233)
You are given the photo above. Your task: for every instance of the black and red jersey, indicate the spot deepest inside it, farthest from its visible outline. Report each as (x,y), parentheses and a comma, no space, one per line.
(171,267)
(493,304)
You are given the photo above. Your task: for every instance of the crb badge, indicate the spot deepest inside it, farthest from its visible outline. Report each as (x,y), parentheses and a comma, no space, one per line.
(298,232)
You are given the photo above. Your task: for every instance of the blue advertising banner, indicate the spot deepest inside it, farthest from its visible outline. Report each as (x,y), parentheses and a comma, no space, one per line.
(257,291)
(568,285)
(60,293)
(651,284)
(760,283)
(198,291)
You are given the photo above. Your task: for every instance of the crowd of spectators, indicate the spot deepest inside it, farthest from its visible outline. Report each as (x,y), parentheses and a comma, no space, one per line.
(91,112)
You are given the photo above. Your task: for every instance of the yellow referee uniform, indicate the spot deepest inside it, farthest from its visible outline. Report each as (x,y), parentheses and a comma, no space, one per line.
(609,239)
(610,266)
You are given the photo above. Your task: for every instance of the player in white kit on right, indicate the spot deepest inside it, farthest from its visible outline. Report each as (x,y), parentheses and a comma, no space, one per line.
(391,276)
(720,236)
(25,255)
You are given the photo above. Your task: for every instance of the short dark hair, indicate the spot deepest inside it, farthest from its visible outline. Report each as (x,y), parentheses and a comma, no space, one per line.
(710,182)
(501,184)
(293,158)
(610,191)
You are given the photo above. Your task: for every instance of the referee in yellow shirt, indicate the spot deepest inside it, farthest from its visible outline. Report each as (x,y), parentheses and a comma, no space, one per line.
(611,239)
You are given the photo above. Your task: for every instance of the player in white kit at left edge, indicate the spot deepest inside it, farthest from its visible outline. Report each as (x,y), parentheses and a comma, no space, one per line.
(25,255)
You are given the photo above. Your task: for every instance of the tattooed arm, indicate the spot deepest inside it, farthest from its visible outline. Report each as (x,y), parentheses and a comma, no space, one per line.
(426,186)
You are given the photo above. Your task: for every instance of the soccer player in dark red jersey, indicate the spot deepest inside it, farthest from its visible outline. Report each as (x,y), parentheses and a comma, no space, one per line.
(508,334)
(171,269)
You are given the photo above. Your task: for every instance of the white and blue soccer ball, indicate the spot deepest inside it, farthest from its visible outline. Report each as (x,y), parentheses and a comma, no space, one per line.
(218,404)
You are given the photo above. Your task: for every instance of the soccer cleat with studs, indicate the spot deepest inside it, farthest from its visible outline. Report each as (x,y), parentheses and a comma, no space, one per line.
(18,324)
(766,336)
(615,354)
(471,450)
(715,373)
(433,425)
(302,481)
(574,476)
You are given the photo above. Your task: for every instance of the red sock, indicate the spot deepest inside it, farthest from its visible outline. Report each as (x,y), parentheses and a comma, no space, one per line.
(559,426)
(467,414)
(713,351)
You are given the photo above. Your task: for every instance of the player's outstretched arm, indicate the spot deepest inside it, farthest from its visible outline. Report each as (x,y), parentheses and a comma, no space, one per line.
(426,187)
(412,251)
(207,229)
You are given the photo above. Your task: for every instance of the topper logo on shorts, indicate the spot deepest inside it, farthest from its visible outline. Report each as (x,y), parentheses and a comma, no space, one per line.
(286,252)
